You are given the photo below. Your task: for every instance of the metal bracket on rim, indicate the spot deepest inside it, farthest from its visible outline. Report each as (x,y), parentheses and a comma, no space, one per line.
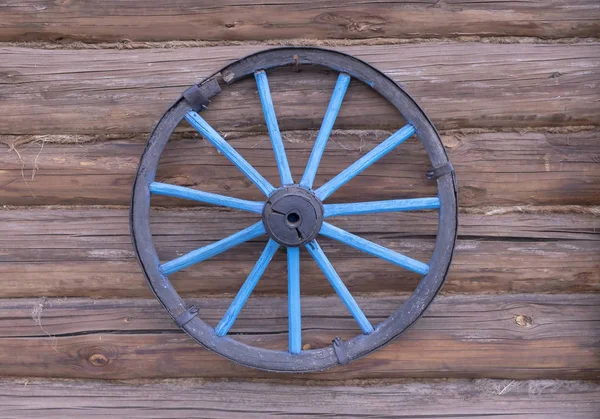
(436,172)
(198,96)
(340,351)
(187,316)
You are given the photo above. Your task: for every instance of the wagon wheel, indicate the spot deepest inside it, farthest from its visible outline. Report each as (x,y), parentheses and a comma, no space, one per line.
(294,214)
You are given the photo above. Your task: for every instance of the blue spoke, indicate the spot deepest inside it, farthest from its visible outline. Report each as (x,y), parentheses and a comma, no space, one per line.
(267,105)
(166,189)
(213,249)
(330,115)
(332,210)
(365,161)
(294,315)
(246,289)
(374,249)
(228,151)
(317,253)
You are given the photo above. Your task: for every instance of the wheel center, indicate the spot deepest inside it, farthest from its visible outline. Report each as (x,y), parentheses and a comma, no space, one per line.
(293,219)
(293,216)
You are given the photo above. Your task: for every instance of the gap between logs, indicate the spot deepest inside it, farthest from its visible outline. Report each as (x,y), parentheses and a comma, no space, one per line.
(128,44)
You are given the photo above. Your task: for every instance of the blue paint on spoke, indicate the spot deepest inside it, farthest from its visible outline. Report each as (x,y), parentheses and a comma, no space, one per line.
(356,208)
(271,120)
(365,161)
(246,289)
(213,249)
(330,115)
(165,189)
(317,253)
(228,151)
(374,249)
(294,314)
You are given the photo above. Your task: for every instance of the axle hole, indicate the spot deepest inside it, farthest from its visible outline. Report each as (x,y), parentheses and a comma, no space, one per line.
(293,218)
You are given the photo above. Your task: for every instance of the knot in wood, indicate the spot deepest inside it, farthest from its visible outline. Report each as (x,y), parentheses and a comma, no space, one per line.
(523,321)
(98,359)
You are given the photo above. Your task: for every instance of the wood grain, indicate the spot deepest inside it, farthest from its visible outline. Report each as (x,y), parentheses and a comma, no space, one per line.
(493,169)
(517,337)
(57,399)
(458,84)
(87,252)
(94,21)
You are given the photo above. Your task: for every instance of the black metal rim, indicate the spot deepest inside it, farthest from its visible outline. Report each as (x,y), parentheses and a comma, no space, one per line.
(340,352)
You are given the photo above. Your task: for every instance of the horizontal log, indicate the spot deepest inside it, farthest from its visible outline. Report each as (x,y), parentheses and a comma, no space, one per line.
(458,84)
(460,337)
(57,399)
(87,252)
(497,168)
(95,21)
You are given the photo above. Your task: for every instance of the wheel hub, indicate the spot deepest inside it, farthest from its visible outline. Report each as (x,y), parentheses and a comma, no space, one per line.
(293,216)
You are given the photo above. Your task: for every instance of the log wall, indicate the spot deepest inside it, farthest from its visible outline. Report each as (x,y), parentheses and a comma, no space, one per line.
(513,87)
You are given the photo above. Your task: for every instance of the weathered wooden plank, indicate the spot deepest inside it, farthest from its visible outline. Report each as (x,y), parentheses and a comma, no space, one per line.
(464,337)
(27,398)
(87,252)
(234,20)
(497,168)
(459,85)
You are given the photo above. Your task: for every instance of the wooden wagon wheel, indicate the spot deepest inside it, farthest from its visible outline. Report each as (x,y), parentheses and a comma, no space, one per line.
(293,214)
